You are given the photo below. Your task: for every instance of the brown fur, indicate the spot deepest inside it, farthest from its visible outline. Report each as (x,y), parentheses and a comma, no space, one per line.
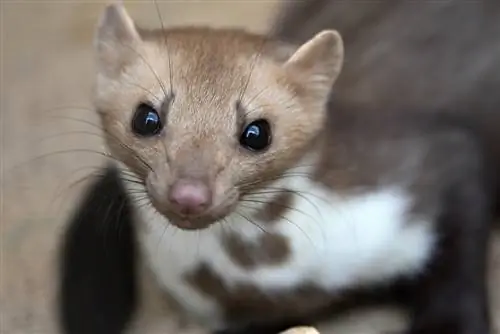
(270,249)
(242,301)
(276,208)
(401,54)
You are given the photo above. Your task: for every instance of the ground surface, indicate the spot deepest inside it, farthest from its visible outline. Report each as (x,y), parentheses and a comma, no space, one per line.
(46,68)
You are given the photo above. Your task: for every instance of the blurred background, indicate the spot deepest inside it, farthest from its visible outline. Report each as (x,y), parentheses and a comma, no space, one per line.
(50,143)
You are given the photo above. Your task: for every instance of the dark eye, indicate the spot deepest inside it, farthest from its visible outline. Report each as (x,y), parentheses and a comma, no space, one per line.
(256,136)
(146,121)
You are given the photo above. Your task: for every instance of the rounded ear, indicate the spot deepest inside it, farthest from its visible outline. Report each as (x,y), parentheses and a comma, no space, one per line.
(116,39)
(318,62)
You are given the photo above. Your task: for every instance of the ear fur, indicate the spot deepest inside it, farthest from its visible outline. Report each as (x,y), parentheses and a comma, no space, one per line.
(116,39)
(318,62)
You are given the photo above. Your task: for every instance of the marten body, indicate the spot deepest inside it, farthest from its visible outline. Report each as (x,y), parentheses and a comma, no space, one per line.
(267,201)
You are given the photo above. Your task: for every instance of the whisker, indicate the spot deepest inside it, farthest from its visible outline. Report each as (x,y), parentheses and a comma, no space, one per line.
(252,67)
(138,182)
(277,177)
(274,190)
(120,224)
(144,89)
(106,227)
(69,133)
(129,173)
(249,102)
(121,144)
(70,107)
(251,222)
(149,66)
(289,221)
(251,200)
(284,106)
(97,172)
(165,227)
(166,45)
(131,176)
(59,192)
(131,182)
(141,197)
(145,202)
(61,152)
(114,138)
(83,121)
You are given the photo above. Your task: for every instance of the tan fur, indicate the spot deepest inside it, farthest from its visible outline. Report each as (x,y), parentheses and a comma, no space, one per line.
(212,72)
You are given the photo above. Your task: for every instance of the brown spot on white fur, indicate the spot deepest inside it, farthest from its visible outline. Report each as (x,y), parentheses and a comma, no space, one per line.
(243,302)
(268,249)
(276,208)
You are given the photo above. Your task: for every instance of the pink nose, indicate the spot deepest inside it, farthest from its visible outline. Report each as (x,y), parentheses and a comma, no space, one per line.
(190,196)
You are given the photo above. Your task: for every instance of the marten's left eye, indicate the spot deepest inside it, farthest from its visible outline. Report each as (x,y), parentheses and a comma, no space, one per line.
(146,121)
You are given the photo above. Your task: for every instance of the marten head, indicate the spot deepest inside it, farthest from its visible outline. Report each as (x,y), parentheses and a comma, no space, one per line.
(205,116)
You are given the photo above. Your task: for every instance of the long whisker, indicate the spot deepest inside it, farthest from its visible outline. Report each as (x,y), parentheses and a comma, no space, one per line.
(251,200)
(110,135)
(145,89)
(259,181)
(249,102)
(97,171)
(284,106)
(165,39)
(131,175)
(69,107)
(137,193)
(70,133)
(141,202)
(302,194)
(80,120)
(289,221)
(59,192)
(252,66)
(275,190)
(251,221)
(61,152)
(120,211)
(134,181)
(166,226)
(160,82)
(107,226)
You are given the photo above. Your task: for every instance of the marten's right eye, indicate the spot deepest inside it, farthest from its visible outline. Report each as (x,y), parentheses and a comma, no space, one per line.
(146,121)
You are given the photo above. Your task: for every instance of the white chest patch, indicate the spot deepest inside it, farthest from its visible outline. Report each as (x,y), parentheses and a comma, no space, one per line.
(336,242)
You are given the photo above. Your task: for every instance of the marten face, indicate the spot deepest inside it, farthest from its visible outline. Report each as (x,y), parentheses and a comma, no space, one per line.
(203,116)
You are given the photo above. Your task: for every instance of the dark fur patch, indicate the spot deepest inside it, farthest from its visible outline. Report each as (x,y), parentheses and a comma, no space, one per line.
(268,249)
(97,279)
(243,303)
(276,209)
